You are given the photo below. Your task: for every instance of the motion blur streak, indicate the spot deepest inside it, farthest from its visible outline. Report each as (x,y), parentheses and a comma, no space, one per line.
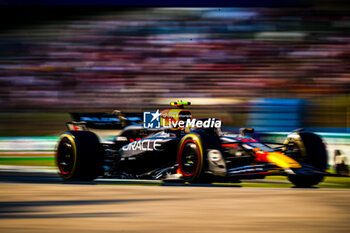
(66,208)
(135,59)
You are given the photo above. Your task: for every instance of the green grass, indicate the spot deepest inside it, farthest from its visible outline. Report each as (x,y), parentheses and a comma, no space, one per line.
(28,161)
(336,182)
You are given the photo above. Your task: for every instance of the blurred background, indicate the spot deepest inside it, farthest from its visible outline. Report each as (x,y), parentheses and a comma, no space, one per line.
(275,69)
(272,68)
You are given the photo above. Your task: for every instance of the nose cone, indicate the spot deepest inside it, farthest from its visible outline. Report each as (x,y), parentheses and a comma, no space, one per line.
(278,159)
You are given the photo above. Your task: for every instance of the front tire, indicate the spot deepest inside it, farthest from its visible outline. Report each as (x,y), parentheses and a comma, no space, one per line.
(78,156)
(305,181)
(309,149)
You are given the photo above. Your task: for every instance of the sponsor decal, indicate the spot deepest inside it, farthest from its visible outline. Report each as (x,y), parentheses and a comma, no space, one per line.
(194,123)
(143,145)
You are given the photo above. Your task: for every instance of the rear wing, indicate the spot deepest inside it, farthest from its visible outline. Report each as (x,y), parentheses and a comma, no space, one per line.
(100,120)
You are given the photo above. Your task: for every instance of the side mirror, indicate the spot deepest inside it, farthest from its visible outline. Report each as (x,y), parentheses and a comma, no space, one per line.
(244,131)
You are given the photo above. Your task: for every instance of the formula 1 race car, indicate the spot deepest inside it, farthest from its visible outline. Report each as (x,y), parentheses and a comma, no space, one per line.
(181,149)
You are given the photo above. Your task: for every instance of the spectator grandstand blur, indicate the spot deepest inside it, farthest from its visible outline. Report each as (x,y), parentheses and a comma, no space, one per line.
(218,58)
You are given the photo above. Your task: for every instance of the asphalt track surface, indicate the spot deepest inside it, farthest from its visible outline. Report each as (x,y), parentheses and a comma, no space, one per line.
(38,202)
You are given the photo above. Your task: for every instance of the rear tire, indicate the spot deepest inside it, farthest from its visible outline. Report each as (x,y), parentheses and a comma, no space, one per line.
(311,151)
(78,156)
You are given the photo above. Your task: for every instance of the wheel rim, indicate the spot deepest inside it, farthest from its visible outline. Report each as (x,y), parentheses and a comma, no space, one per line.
(296,152)
(65,156)
(189,158)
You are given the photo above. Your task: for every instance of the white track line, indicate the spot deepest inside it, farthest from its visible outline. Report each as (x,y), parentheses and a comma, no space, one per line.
(28,169)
